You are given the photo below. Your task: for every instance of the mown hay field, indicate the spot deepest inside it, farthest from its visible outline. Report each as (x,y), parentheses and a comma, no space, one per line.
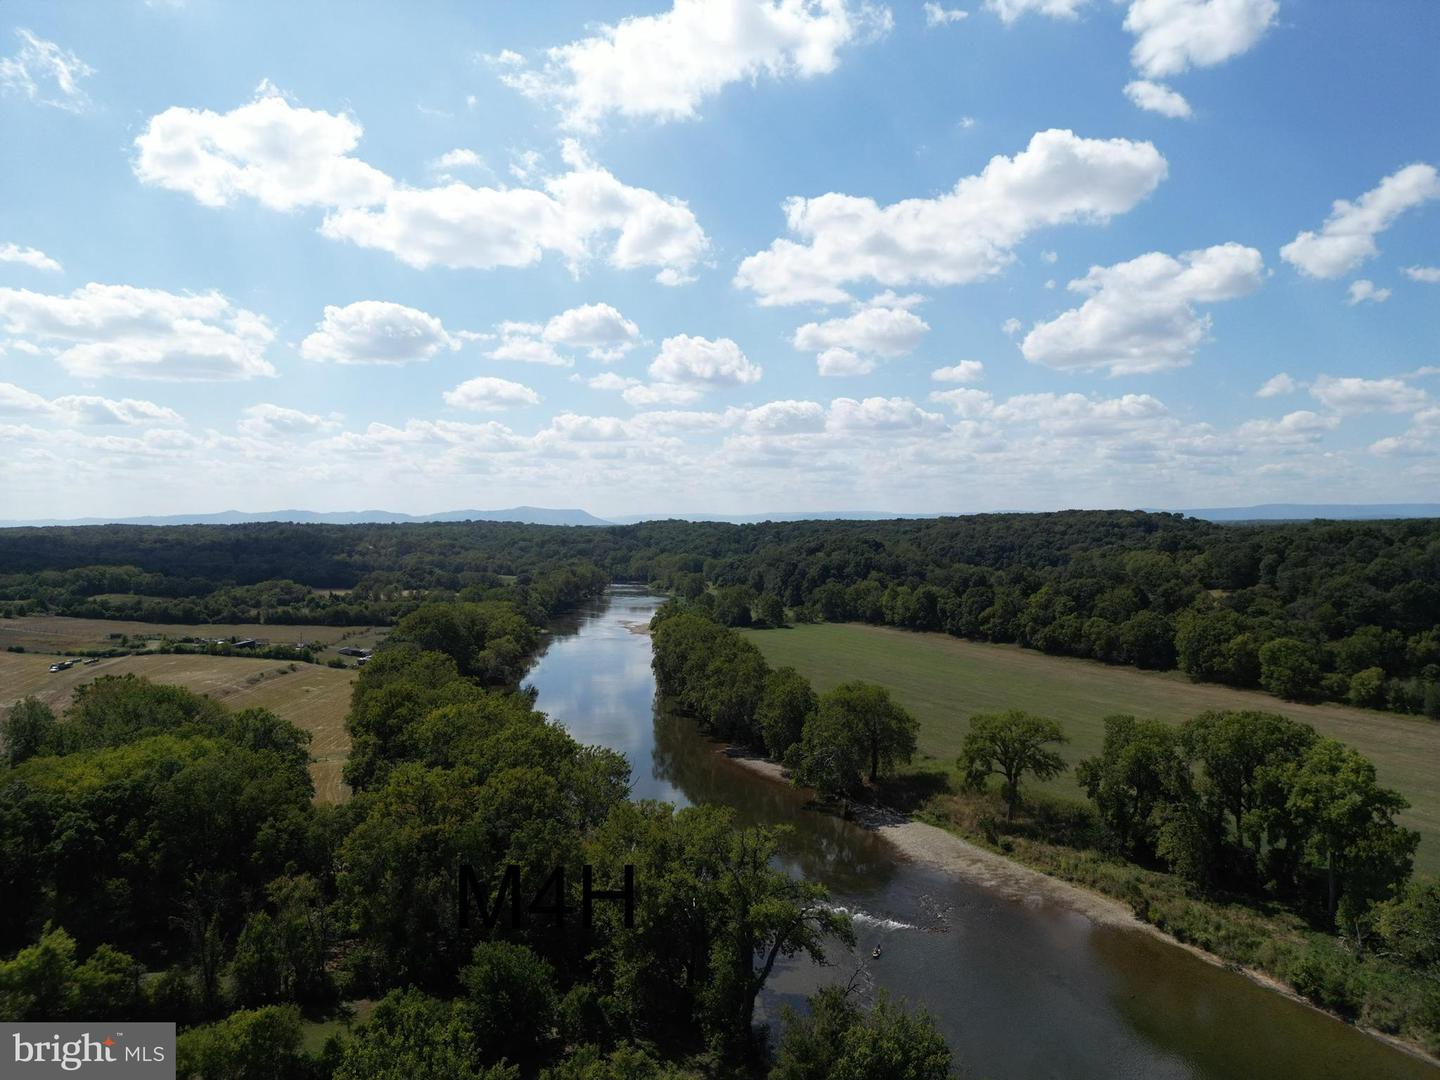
(312,697)
(944,681)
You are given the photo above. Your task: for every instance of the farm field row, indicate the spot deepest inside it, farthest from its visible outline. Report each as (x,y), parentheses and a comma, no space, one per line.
(312,697)
(63,633)
(944,681)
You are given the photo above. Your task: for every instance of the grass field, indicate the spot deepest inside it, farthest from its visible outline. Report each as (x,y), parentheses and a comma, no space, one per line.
(60,633)
(943,681)
(311,697)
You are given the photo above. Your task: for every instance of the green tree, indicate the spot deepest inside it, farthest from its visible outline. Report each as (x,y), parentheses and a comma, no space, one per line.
(1148,640)
(1408,926)
(788,701)
(884,731)
(510,1001)
(247,1045)
(1140,775)
(1011,744)
(839,1040)
(769,610)
(411,1036)
(27,730)
(1290,668)
(1347,822)
(1241,753)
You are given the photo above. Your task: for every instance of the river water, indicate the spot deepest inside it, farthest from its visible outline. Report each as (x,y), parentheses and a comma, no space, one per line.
(1021,988)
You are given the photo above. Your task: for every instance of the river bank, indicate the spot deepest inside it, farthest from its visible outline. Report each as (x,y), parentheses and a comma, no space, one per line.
(953,854)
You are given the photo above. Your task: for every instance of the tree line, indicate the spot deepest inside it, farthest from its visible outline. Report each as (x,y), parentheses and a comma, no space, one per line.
(1342,611)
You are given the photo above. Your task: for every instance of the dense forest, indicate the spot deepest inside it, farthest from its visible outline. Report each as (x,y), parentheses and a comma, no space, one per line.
(1344,611)
(161,857)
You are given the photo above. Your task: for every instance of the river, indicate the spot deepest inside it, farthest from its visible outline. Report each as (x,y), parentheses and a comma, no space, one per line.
(1021,988)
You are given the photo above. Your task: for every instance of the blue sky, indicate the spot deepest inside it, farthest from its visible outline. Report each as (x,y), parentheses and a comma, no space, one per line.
(725,256)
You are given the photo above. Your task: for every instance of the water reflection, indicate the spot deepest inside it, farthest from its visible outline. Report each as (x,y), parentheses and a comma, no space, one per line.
(1021,989)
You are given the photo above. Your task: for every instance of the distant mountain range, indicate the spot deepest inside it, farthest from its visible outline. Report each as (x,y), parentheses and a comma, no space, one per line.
(1310,511)
(539,515)
(528,515)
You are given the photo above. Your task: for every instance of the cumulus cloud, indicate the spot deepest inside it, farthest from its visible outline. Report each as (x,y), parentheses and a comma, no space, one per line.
(846,345)
(785,418)
(268,421)
(699,362)
(1157,98)
(966,371)
(120,330)
(880,414)
(967,403)
(1355,395)
(1277,385)
(1348,236)
(1172,36)
(1300,428)
(1364,291)
(459,158)
(526,343)
(936,15)
(1428,275)
(963,236)
(578,215)
(661,67)
(1076,414)
(46,74)
(1010,10)
(486,394)
(1140,316)
(84,410)
(288,157)
(27,256)
(376,332)
(599,329)
(283,156)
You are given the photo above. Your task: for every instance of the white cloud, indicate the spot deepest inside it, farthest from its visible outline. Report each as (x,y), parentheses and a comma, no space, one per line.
(661,67)
(879,414)
(84,410)
(459,158)
(1140,316)
(785,418)
(120,330)
(1157,98)
(642,395)
(701,363)
(598,328)
(283,156)
(848,346)
(966,371)
(1348,236)
(1429,275)
(1076,414)
(485,394)
(1354,395)
(1049,257)
(837,363)
(1174,35)
(28,256)
(288,157)
(962,236)
(1010,10)
(526,343)
(45,73)
(376,332)
(1277,385)
(1298,428)
(1010,327)
(936,15)
(969,404)
(1364,291)
(574,216)
(267,421)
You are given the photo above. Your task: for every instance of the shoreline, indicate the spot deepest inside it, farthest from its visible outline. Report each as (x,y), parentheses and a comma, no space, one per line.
(953,854)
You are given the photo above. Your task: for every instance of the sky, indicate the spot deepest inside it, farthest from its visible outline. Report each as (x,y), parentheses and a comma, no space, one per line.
(725,256)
